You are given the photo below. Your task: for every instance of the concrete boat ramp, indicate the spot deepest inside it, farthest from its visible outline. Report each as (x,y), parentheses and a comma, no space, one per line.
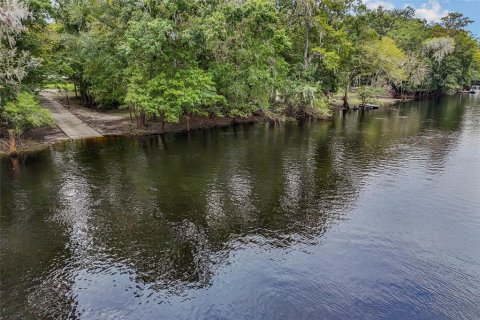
(73,127)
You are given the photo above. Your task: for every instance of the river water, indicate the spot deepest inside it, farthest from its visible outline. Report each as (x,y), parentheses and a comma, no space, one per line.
(373,215)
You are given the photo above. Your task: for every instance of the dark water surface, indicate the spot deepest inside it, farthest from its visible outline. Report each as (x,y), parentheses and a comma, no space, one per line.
(374,215)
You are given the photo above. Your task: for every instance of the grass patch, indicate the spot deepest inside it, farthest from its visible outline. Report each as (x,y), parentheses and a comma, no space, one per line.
(354,97)
(59,86)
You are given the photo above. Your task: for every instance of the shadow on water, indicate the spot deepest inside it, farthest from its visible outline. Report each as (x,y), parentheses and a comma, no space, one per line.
(163,214)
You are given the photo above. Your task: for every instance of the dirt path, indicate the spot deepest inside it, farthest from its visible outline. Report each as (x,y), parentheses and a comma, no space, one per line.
(73,127)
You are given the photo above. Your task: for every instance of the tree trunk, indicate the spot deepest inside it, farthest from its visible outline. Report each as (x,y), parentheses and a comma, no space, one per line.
(307,45)
(345,96)
(163,125)
(87,99)
(142,119)
(12,143)
(164,142)
(15,165)
(402,92)
(188,123)
(83,93)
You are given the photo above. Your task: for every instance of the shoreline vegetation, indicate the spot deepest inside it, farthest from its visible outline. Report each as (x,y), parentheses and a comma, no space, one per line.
(175,65)
(118,122)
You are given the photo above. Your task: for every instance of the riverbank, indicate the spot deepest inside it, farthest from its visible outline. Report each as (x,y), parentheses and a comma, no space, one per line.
(38,139)
(383,101)
(118,122)
(33,140)
(112,123)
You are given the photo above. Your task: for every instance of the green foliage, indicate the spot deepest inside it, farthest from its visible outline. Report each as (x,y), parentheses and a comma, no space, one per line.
(247,44)
(409,34)
(15,61)
(257,54)
(179,58)
(389,59)
(368,94)
(475,72)
(24,113)
(188,91)
(60,85)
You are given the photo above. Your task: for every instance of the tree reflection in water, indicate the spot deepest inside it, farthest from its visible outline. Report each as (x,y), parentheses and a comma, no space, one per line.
(156,216)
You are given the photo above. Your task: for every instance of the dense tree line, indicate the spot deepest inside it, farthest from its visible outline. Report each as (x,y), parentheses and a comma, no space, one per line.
(178,58)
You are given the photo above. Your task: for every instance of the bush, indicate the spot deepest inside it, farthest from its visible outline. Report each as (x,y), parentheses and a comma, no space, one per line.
(369,94)
(25,113)
(309,100)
